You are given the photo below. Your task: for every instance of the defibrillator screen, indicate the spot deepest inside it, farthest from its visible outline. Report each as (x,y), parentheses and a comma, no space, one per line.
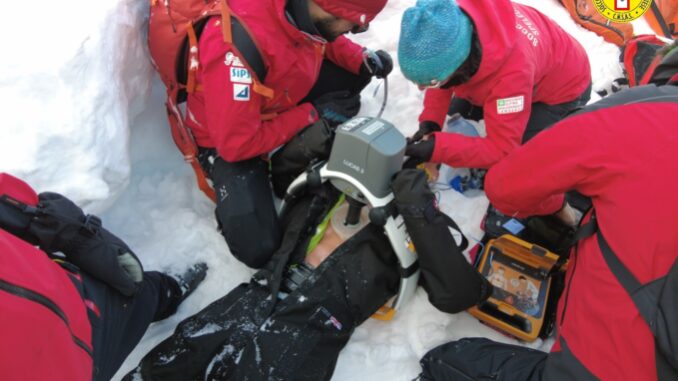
(516,283)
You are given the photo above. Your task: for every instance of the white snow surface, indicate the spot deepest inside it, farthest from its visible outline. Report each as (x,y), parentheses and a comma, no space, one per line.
(84,116)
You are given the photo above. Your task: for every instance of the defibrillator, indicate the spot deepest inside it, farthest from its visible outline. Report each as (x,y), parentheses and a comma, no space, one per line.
(522,275)
(366,154)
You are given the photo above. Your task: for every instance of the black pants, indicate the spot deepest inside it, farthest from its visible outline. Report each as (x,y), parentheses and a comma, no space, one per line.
(482,359)
(251,334)
(245,209)
(120,322)
(542,116)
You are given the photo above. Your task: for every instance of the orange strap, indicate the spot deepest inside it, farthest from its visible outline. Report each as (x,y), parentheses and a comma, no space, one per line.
(384,313)
(269,116)
(184,141)
(226,22)
(262,90)
(226,31)
(192,58)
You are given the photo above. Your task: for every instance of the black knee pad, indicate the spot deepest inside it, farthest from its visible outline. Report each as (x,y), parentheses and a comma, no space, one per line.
(245,210)
(253,252)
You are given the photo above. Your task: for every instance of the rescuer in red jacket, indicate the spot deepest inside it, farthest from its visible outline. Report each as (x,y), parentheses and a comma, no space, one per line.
(503,62)
(77,316)
(314,76)
(622,152)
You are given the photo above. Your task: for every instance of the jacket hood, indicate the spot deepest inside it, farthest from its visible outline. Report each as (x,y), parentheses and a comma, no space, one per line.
(495,25)
(359,12)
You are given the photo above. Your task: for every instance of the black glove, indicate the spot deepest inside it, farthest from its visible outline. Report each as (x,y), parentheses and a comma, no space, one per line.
(378,64)
(337,107)
(60,225)
(310,145)
(419,152)
(425,128)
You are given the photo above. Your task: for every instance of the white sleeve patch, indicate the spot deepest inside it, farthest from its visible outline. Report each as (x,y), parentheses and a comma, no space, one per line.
(240,75)
(510,105)
(232,59)
(241,92)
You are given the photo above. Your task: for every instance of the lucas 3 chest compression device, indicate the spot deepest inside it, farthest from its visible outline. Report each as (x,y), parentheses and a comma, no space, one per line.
(365,155)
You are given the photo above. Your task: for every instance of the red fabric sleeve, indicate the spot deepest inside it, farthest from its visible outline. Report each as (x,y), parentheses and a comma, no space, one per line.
(345,53)
(17,189)
(504,130)
(533,179)
(436,104)
(234,122)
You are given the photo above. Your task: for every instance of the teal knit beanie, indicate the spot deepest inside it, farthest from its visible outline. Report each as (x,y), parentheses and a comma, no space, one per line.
(435,39)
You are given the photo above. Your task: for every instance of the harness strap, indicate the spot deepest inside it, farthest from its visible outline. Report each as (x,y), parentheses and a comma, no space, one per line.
(660,20)
(184,140)
(192,61)
(226,22)
(450,222)
(643,296)
(625,277)
(235,33)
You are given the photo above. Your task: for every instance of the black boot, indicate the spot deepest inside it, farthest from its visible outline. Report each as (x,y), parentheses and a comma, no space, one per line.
(190,279)
(181,286)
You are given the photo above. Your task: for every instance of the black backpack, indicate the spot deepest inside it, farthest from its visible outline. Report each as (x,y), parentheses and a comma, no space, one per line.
(657,302)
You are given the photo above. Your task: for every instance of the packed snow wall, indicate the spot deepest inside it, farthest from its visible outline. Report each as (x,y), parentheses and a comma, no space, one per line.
(74,74)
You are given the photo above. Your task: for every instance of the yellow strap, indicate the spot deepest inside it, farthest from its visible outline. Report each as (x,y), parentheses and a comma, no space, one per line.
(322,227)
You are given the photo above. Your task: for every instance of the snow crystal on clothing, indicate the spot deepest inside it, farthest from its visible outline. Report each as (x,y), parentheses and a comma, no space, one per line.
(228,350)
(206,330)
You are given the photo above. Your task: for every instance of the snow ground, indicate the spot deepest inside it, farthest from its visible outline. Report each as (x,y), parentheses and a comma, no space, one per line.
(84,116)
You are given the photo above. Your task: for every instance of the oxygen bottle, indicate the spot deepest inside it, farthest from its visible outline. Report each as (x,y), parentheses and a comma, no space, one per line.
(460,179)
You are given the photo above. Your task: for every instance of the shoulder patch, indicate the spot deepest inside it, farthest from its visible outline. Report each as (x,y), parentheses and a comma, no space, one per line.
(232,59)
(241,92)
(240,75)
(510,105)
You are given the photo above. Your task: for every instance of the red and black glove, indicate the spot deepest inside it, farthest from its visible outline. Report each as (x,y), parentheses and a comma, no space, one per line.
(56,224)
(60,225)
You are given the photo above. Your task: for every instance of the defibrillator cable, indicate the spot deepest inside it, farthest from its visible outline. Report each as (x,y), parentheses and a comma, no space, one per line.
(383,102)
(369,54)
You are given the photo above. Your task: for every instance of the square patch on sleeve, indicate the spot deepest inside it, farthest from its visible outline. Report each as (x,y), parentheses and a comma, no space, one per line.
(241,92)
(510,105)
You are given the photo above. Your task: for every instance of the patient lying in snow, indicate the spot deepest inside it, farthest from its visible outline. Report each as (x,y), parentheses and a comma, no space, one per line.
(296,314)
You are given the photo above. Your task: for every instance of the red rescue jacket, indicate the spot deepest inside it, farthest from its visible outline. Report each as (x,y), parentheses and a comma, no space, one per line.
(623,153)
(526,58)
(44,328)
(240,123)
